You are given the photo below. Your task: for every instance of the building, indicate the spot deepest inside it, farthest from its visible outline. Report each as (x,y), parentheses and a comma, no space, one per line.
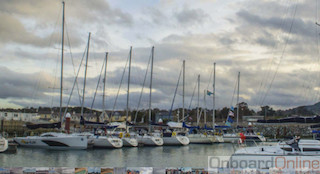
(45,114)
(119,116)
(18,116)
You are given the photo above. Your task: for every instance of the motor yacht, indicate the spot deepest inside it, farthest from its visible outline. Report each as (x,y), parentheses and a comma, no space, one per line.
(286,155)
(302,147)
(53,140)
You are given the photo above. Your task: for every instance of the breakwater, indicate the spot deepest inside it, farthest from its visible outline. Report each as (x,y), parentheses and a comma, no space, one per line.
(278,131)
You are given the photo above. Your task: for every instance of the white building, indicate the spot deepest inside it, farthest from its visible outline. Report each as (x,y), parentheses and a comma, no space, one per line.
(18,116)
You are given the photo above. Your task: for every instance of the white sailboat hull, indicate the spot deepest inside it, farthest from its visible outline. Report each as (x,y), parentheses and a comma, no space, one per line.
(3,144)
(218,139)
(106,142)
(150,141)
(176,141)
(62,142)
(200,139)
(129,142)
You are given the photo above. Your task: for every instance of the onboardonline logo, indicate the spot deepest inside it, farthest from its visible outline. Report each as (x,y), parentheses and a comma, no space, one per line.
(292,162)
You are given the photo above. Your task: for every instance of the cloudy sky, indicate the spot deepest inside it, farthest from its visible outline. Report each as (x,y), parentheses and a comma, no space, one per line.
(273,43)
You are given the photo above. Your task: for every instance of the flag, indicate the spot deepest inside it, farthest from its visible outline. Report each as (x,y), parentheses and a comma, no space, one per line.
(232,108)
(231,113)
(209,93)
(228,123)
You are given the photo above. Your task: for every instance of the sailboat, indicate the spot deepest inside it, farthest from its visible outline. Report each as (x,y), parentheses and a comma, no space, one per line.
(52,140)
(216,138)
(101,140)
(200,136)
(235,137)
(150,139)
(174,134)
(129,140)
(176,137)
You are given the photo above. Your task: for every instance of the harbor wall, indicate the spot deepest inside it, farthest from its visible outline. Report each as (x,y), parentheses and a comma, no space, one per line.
(278,131)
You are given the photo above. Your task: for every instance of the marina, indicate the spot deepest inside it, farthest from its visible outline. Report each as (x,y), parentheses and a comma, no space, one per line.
(175,87)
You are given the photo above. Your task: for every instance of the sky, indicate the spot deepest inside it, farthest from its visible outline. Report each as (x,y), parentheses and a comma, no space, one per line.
(274,44)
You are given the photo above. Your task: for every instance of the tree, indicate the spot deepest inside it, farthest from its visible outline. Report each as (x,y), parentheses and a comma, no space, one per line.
(244,110)
(267,110)
(223,114)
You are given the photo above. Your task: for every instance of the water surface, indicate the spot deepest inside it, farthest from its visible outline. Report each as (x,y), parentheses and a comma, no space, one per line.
(193,155)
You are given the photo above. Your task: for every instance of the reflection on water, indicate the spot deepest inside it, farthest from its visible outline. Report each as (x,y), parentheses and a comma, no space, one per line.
(192,155)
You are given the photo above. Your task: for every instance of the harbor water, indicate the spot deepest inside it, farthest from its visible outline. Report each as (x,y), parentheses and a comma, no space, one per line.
(193,155)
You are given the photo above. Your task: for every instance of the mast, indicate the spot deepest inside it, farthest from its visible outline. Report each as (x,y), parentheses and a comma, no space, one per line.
(152,52)
(205,108)
(214,96)
(265,113)
(85,75)
(104,86)
(62,47)
(198,119)
(238,107)
(183,84)
(127,113)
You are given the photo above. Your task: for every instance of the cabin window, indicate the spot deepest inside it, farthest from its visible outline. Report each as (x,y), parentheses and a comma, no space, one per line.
(5,114)
(15,115)
(310,149)
(48,135)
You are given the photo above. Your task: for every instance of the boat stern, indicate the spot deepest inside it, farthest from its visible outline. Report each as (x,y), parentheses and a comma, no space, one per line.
(183,140)
(130,142)
(116,142)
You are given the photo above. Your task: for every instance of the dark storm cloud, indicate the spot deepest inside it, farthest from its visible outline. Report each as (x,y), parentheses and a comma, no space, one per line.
(20,85)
